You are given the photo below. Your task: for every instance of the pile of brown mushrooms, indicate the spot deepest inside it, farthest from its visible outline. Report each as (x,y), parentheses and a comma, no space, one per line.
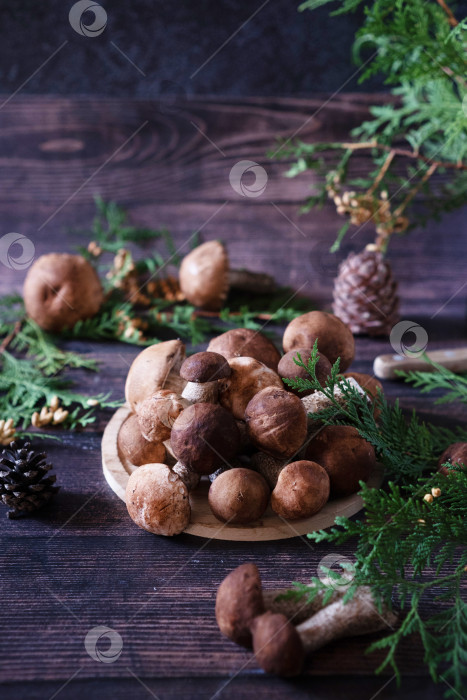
(226,415)
(282,633)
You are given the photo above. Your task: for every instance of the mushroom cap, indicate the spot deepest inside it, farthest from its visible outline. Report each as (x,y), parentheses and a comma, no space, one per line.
(302,489)
(158,413)
(455,453)
(239,496)
(289,370)
(277,422)
(156,367)
(248,376)
(157,500)
(244,342)
(277,645)
(204,435)
(239,600)
(347,457)
(60,290)
(133,447)
(205,367)
(335,339)
(204,276)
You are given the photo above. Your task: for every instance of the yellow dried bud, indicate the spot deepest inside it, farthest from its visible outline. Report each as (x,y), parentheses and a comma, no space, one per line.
(92,402)
(55,403)
(436,492)
(428,498)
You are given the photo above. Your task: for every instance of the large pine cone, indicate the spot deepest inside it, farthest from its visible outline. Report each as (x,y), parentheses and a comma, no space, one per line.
(24,483)
(365,294)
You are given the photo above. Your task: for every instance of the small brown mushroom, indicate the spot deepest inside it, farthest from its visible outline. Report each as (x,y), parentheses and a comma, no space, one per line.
(203,436)
(455,454)
(302,489)
(60,290)
(205,277)
(334,338)
(244,342)
(289,370)
(133,447)
(276,422)
(202,372)
(157,500)
(156,367)
(248,376)
(239,496)
(158,413)
(280,647)
(241,598)
(346,456)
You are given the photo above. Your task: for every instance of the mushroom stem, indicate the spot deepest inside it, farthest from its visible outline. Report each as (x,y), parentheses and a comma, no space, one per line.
(357,617)
(197,392)
(189,478)
(247,281)
(296,610)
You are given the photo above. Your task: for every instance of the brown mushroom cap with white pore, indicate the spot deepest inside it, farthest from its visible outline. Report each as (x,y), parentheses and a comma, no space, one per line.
(288,369)
(157,500)
(335,339)
(302,490)
(244,342)
(158,413)
(248,377)
(133,447)
(156,367)
(239,496)
(203,436)
(202,372)
(276,422)
(206,277)
(346,456)
(60,290)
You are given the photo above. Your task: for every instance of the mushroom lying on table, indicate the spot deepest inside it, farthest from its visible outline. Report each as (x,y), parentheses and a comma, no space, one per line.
(205,277)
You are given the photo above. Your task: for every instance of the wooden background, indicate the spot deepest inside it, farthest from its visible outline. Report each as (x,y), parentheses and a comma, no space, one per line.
(82,563)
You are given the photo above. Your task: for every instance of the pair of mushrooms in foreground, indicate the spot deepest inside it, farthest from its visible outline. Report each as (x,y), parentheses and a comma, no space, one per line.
(228,407)
(283,632)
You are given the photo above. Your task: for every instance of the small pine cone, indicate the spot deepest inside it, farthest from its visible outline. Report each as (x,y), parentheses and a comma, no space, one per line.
(25,484)
(365,294)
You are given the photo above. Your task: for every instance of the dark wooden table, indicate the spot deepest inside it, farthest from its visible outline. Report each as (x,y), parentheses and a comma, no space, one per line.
(81,563)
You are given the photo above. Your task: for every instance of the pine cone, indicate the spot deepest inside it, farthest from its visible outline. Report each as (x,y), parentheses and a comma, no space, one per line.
(24,484)
(365,294)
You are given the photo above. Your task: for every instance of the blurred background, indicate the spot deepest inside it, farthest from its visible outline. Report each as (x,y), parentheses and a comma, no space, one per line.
(279,52)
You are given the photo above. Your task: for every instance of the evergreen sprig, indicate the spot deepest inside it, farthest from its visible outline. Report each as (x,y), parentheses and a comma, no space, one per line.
(453,385)
(420,48)
(410,548)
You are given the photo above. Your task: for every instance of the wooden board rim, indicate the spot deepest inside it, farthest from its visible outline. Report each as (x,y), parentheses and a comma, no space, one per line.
(204,524)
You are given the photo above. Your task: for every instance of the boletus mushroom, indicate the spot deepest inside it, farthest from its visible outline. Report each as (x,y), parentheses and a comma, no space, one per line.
(239,496)
(247,377)
(158,413)
(455,454)
(288,369)
(156,367)
(132,446)
(335,339)
(60,290)
(244,342)
(202,372)
(276,422)
(302,489)
(346,456)
(157,500)
(205,277)
(203,436)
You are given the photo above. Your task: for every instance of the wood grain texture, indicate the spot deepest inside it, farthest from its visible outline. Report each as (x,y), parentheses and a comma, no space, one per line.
(80,563)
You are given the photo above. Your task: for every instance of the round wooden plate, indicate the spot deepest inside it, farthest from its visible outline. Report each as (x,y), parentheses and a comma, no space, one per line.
(203,523)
